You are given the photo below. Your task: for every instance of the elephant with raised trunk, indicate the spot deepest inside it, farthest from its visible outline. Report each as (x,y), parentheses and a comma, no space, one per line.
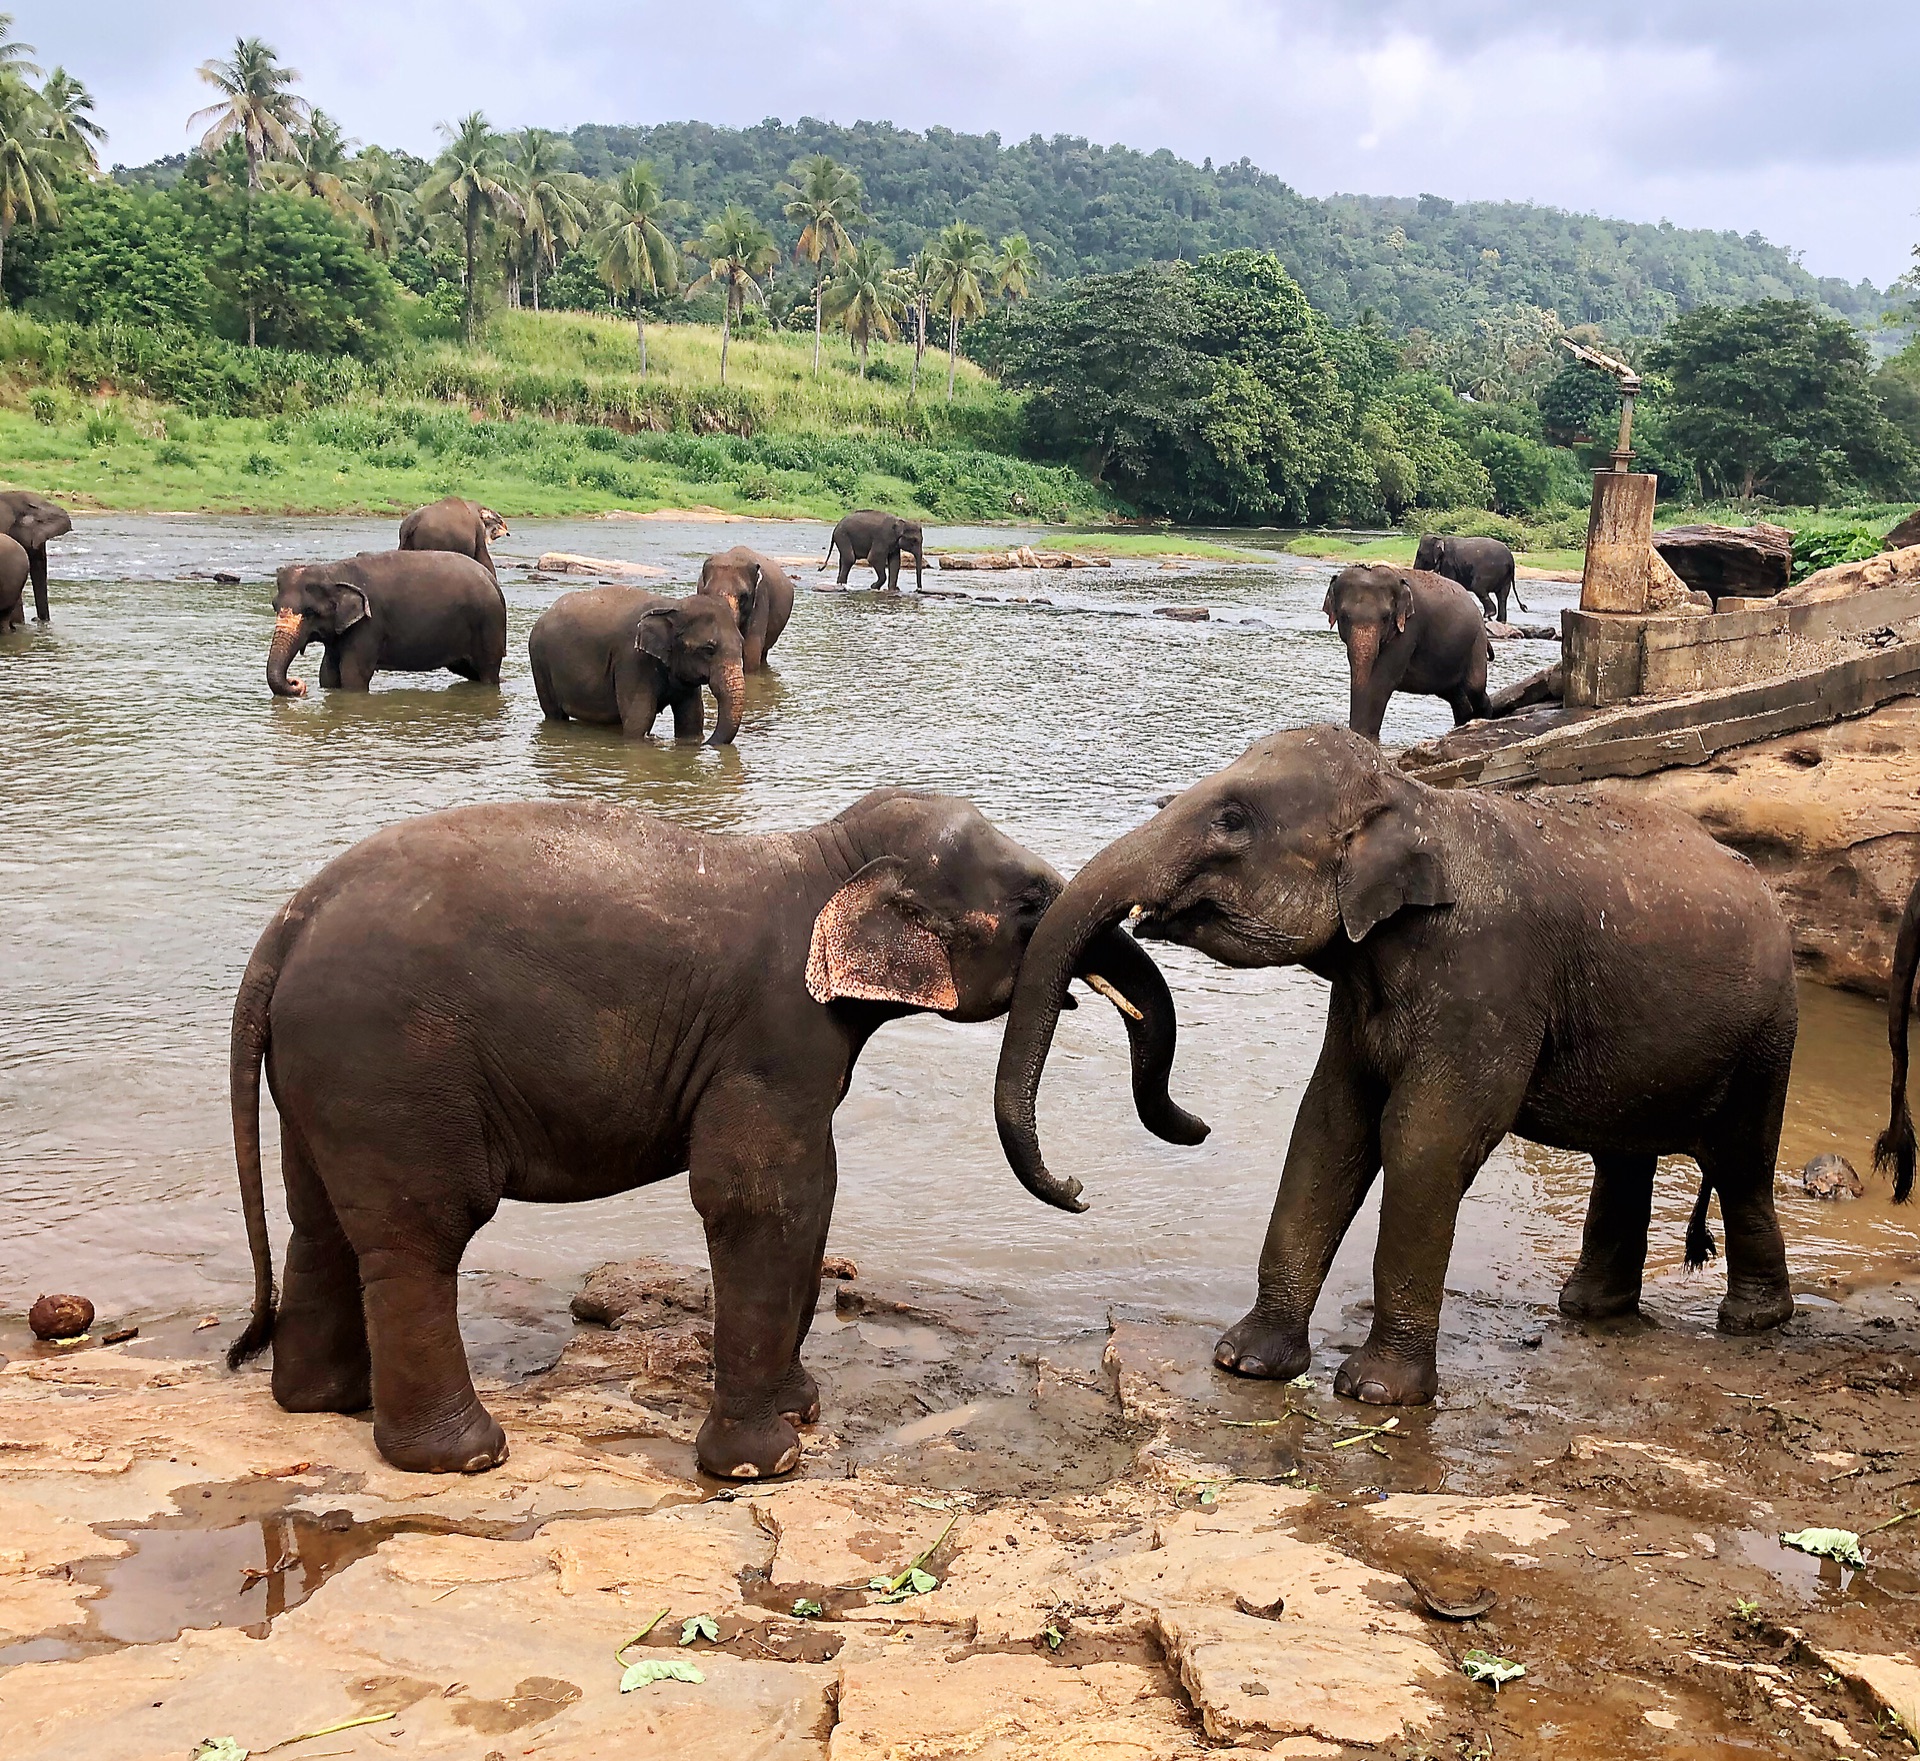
(556,1001)
(622,655)
(1587,974)
(1404,630)
(760,593)
(455,524)
(31,521)
(878,540)
(1484,566)
(405,611)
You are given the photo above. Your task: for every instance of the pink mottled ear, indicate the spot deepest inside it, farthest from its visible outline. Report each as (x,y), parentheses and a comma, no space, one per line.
(870,944)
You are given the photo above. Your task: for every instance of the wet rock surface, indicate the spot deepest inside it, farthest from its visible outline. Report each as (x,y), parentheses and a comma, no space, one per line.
(1124,1553)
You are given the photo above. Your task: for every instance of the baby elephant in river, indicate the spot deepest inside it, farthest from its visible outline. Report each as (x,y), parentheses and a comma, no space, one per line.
(1406,630)
(1580,972)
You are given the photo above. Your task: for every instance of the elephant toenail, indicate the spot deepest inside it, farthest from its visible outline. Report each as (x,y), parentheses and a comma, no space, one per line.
(476,1464)
(745,1471)
(787,1461)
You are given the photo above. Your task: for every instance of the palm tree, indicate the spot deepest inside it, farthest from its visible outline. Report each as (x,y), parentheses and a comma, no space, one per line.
(825,198)
(468,181)
(922,287)
(1016,269)
(316,165)
(255,105)
(31,161)
(70,116)
(632,252)
(867,294)
(382,197)
(553,207)
(14,55)
(738,250)
(962,265)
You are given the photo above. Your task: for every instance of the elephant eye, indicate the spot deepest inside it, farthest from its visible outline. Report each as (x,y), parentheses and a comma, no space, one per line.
(1232,819)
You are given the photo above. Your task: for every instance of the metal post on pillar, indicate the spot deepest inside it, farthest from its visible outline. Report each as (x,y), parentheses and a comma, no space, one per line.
(1620,522)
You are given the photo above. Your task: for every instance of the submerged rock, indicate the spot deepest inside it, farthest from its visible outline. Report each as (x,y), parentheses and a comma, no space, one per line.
(1831,1176)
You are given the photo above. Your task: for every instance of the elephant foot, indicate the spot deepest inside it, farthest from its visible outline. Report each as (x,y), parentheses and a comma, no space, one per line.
(1257,1347)
(1376,1378)
(1591,1296)
(1755,1308)
(747,1449)
(471,1444)
(327,1388)
(798,1398)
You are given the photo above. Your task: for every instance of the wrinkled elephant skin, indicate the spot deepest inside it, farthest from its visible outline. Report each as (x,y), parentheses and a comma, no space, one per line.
(1484,566)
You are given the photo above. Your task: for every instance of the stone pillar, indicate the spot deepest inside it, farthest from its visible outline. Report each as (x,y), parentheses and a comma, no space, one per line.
(1619,541)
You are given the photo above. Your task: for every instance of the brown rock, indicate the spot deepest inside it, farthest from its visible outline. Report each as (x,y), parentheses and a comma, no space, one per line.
(1753,561)
(1832,1177)
(642,1293)
(1907,532)
(60,1317)
(1891,568)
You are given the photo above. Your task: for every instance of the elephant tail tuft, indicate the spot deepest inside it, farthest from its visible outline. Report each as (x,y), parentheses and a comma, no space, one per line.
(247,1051)
(1893,1154)
(1701,1246)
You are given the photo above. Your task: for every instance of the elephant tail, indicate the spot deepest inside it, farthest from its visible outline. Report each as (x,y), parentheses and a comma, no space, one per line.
(1893,1153)
(246,1052)
(1701,1246)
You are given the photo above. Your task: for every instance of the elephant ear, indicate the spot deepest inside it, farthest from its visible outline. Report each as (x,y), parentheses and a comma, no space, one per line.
(1402,603)
(871,942)
(655,636)
(349,606)
(1390,862)
(1326,605)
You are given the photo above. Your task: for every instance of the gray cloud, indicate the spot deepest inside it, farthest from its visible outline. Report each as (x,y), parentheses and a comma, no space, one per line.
(1794,120)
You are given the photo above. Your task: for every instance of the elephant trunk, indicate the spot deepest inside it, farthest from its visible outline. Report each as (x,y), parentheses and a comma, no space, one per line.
(729,687)
(289,638)
(1080,936)
(919,564)
(1363,649)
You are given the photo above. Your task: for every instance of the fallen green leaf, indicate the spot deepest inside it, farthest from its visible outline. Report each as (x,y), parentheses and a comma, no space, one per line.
(699,1626)
(1054,1636)
(1209,1494)
(219,1749)
(1303,1380)
(911,1582)
(1840,1544)
(620,1651)
(807,1610)
(1483,1666)
(659,1669)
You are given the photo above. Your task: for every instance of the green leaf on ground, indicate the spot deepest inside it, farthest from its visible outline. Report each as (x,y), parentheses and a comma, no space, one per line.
(219,1749)
(1483,1666)
(1840,1544)
(807,1609)
(1054,1636)
(659,1669)
(698,1626)
(911,1582)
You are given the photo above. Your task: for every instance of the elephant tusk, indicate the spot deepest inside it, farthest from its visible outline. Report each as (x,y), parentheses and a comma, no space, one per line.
(1137,912)
(1112,994)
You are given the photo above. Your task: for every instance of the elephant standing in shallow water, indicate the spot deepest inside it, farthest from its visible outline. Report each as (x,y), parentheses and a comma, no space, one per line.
(555,1001)
(878,540)
(1484,566)
(760,593)
(1407,631)
(1586,974)
(30,521)
(455,524)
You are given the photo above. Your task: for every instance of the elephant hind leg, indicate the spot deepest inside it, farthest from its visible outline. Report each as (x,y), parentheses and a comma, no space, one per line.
(1737,1157)
(1613,1248)
(426,1417)
(320,1356)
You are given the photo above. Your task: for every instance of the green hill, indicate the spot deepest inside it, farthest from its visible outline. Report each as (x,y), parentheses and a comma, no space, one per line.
(1419,262)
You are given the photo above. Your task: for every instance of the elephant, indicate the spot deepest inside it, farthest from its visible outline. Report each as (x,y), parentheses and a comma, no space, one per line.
(30,521)
(1405,630)
(553,1001)
(760,593)
(1586,974)
(1484,566)
(1893,1153)
(455,524)
(877,540)
(622,654)
(15,568)
(406,611)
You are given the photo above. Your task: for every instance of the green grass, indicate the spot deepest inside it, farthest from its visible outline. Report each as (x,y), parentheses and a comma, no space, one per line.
(1132,544)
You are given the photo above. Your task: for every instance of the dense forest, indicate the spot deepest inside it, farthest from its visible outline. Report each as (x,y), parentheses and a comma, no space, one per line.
(1419,263)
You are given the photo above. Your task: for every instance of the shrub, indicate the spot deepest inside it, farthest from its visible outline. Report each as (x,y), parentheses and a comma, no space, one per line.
(103,427)
(171,452)
(1816,548)
(259,464)
(45,406)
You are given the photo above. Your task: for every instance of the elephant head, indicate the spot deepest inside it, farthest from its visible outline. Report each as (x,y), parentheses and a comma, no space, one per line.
(1307,841)
(1431,554)
(694,642)
(739,578)
(1369,605)
(31,521)
(311,600)
(497,528)
(911,537)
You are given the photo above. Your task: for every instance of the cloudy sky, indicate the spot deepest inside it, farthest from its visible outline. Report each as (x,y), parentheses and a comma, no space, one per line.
(1795,120)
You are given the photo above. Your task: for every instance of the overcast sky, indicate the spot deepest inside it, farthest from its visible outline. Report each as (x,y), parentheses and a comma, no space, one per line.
(1798,120)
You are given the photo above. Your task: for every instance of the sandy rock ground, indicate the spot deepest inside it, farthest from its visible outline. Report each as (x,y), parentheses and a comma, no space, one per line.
(1125,1554)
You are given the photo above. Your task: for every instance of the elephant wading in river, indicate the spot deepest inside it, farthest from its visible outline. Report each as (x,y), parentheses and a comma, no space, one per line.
(15,568)
(455,524)
(1585,974)
(30,521)
(1407,631)
(556,1001)
(1484,566)
(877,540)
(622,654)
(758,590)
(403,611)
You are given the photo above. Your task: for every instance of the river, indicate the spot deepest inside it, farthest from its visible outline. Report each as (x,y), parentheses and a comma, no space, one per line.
(157,805)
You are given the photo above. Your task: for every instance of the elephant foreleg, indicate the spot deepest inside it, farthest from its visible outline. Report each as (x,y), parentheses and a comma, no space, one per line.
(1613,1248)
(37,571)
(330,667)
(798,1397)
(893,572)
(689,716)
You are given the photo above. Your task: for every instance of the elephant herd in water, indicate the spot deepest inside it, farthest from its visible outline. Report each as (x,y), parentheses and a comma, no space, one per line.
(557,1001)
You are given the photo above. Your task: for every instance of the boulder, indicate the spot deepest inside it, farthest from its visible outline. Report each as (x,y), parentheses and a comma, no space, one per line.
(1754,562)
(1907,532)
(1891,568)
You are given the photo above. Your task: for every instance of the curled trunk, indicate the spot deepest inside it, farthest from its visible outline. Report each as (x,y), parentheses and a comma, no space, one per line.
(729,688)
(289,638)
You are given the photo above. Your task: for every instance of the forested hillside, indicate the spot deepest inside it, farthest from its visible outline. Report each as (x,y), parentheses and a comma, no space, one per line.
(1420,263)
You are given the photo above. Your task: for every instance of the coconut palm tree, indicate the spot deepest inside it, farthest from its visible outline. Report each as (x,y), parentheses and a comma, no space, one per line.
(631,250)
(922,290)
(1016,268)
(316,165)
(382,195)
(255,105)
(962,267)
(553,203)
(737,250)
(15,56)
(824,197)
(32,162)
(70,118)
(867,294)
(468,181)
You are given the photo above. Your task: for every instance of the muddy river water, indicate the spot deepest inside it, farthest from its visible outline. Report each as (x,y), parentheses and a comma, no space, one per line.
(157,804)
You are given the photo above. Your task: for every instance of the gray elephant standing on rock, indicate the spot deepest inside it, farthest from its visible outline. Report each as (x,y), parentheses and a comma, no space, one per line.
(1408,631)
(455,524)
(1484,566)
(760,593)
(1583,973)
(878,540)
(406,611)
(622,655)
(30,521)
